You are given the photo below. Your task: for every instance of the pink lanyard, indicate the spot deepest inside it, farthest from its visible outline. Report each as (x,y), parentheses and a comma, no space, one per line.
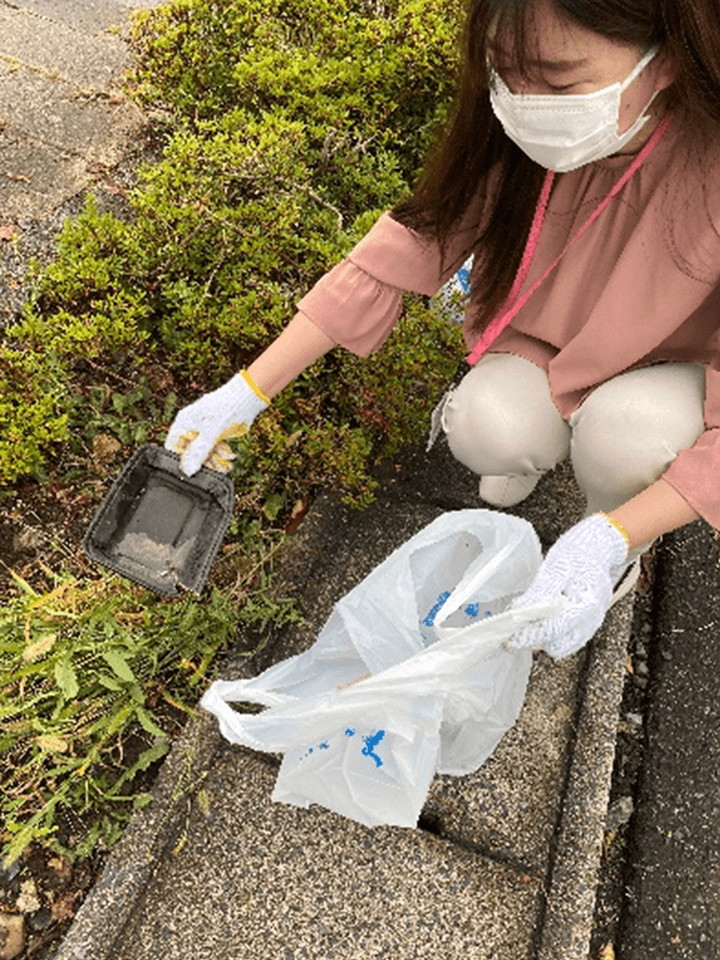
(498,324)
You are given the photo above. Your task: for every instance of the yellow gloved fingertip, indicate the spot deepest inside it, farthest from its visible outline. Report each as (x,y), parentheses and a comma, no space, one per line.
(223,450)
(217,464)
(220,459)
(234,432)
(184,441)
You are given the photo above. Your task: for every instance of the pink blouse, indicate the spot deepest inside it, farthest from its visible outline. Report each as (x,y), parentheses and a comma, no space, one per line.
(616,301)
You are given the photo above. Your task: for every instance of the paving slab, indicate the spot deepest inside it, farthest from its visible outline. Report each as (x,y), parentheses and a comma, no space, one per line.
(57,50)
(62,114)
(52,141)
(307,883)
(45,111)
(89,16)
(36,178)
(437,478)
(510,807)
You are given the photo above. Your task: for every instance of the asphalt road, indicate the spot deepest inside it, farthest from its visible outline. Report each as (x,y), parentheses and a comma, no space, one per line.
(672,904)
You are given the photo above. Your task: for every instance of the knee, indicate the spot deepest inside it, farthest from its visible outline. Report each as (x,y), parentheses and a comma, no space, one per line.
(632,427)
(499,422)
(475,417)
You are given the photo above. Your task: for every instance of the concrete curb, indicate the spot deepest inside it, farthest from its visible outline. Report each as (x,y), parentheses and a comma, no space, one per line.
(151,835)
(572,892)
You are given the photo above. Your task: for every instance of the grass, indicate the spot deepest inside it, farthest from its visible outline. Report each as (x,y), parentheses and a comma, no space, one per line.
(89,665)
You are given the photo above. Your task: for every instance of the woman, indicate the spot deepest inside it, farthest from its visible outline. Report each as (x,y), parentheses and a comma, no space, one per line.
(579,171)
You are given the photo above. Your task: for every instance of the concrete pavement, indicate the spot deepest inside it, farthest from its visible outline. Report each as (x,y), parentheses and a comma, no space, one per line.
(63,114)
(63,118)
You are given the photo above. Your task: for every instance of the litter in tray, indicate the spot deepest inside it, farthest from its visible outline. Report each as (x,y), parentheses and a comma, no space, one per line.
(158,527)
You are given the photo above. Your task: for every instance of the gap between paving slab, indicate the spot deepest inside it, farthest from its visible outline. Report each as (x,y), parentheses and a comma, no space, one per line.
(62,113)
(562,920)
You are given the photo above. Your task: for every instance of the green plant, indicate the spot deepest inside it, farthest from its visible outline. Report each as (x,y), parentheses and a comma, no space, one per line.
(87,666)
(294,126)
(130,415)
(34,410)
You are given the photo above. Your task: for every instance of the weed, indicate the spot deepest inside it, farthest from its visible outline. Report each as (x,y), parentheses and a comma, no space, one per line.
(87,665)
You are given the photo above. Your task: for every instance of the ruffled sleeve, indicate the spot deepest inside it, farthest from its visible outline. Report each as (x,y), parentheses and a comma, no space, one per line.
(359,301)
(352,308)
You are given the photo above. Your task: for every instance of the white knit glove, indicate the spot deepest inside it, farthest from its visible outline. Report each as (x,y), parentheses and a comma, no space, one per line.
(198,432)
(583,565)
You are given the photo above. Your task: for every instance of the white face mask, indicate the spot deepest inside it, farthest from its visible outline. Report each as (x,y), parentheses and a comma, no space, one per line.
(563,132)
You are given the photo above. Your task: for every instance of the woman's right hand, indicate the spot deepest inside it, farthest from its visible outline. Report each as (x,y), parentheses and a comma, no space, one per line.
(199,431)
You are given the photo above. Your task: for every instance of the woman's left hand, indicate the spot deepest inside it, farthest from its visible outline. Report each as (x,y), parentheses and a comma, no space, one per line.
(583,565)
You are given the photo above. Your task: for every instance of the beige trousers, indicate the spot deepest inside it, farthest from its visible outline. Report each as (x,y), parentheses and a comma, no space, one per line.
(501,421)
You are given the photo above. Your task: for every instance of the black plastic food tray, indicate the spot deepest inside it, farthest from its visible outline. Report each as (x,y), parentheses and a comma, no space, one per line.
(158,527)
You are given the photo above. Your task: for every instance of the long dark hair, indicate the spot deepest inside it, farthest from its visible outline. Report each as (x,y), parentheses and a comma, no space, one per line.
(473,141)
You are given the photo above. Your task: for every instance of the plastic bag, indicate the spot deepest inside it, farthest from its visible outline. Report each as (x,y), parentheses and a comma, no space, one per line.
(428,626)
(451,301)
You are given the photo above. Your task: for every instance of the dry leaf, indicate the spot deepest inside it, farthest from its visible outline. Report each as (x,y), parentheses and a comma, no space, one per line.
(64,908)
(39,648)
(52,744)
(105,446)
(28,901)
(607,952)
(61,867)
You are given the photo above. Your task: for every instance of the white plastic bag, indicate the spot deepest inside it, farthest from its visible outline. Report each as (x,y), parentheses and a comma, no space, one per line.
(451,301)
(428,626)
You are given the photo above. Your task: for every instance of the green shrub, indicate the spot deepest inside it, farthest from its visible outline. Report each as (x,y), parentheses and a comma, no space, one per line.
(295,125)
(33,410)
